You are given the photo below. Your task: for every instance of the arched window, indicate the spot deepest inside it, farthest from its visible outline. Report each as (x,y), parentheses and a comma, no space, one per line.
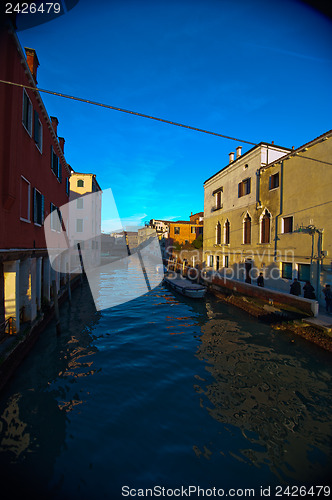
(80,183)
(218,234)
(265,227)
(227,228)
(247,230)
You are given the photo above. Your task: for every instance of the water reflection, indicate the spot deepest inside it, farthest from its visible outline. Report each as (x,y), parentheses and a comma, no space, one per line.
(34,421)
(281,406)
(14,438)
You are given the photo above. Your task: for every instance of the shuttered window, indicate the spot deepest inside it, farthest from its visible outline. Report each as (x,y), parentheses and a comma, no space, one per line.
(218,234)
(244,187)
(27,113)
(247,230)
(55,218)
(38,207)
(38,131)
(79,225)
(227,232)
(25,200)
(54,162)
(288,224)
(274,181)
(265,228)
(79,203)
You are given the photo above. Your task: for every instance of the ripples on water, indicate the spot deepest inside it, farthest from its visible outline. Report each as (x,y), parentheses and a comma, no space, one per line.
(164,390)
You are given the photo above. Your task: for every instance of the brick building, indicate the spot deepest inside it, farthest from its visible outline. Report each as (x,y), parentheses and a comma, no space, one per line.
(34,182)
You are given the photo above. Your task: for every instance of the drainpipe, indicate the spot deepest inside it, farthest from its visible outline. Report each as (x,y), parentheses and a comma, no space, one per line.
(280,210)
(258,175)
(319,250)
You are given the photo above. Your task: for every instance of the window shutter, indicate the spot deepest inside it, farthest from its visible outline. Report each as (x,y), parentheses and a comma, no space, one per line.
(240,189)
(42,208)
(227,233)
(60,170)
(36,126)
(218,233)
(247,230)
(52,160)
(35,218)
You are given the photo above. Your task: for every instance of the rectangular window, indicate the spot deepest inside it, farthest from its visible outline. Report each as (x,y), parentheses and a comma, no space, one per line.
(176,230)
(286,270)
(200,230)
(27,113)
(54,162)
(79,203)
(274,181)
(25,200)
(287,223)
(79,225)
(210,261)
(218,198)
(226,264)
(38,132)
(304,272)
(244,187)
(55,223)
(193,230)
(67,186)
(38,207)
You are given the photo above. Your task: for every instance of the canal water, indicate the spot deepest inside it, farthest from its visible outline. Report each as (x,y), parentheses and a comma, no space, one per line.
(164,391)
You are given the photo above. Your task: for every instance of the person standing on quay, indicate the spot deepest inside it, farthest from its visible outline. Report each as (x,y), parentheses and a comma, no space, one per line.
(295,288)
(260,280)
(328,298)
(308,291)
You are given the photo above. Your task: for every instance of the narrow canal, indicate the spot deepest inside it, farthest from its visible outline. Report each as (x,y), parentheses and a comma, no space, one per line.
(164,391)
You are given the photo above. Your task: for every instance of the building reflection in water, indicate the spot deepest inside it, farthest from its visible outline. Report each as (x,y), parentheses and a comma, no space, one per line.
(280,405)
(33,422)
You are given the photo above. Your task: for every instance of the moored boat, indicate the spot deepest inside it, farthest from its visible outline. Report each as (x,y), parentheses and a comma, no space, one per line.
(186,287)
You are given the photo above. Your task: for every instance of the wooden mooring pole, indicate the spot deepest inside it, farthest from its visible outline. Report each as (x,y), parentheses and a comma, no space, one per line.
(56,307)
(68,284)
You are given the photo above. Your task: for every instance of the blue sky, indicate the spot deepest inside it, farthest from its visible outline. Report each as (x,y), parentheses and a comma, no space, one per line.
(251,69)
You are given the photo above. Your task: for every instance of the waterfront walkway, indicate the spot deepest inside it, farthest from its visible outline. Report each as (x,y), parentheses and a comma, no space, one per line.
(322,321)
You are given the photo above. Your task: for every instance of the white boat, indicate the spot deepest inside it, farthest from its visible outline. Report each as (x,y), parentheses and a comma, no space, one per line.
(186,287)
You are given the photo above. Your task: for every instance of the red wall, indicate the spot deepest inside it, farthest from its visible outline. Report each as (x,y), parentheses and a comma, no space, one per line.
(19,155)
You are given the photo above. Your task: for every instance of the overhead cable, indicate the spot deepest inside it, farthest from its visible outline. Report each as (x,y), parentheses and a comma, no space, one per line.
(80,99)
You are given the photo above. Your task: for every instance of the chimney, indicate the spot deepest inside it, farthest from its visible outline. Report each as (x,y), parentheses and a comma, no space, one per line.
(231,157)
(32,61)
(238,151)
(55,123)
(272,142)
(62,144)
